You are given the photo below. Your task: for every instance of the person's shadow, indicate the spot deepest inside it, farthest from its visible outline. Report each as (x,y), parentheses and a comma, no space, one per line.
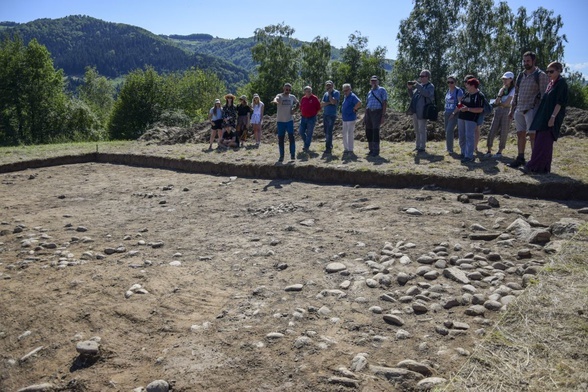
(377,161)
(277,184)
(425,156)
(350,157)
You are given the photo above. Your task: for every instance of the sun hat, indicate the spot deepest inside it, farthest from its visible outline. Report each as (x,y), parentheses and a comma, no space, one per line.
(243,98)
(217,101)
(374,78)
(230,96)
(508,75)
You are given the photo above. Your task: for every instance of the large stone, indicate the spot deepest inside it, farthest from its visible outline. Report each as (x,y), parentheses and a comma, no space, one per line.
(483,236)
(393,319)
(88,347)
(396,374)
(520,228)
(456,274)
(335,267)
(566,227)
(416,367)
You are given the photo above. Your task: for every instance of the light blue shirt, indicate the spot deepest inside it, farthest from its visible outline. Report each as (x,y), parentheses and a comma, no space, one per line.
(331,110)
(372,102)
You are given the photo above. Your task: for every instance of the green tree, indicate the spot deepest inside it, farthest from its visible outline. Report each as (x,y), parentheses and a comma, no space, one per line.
(32,98)
(98,94)
(577,90)
(425,39)
(315,62)
(277,59)
(140,103)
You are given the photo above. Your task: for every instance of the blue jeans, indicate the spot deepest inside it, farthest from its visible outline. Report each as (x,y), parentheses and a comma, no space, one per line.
(306,129)
(284,127)
(450,124)
(329,124)
(467,135)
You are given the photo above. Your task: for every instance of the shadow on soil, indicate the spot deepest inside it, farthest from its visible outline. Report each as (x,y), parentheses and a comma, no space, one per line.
(549,186)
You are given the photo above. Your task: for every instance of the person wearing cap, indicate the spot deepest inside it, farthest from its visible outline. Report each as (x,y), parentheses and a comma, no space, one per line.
(452,98)
(329,104)
(470,107)
(310,105)
(287,104)
(243,113)
(257,118)
(425,93)
(349,108)
(529,87)
(229,112)
(376,103)
(501,121)
(215,116)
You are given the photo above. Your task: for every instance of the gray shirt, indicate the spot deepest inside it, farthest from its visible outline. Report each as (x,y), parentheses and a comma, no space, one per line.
(286,105)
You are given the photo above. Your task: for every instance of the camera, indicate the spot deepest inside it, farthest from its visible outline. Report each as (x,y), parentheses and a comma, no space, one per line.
(411,82)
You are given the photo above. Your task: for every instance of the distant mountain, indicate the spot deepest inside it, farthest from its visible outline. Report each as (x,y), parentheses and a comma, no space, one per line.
(237,50)
(115,49)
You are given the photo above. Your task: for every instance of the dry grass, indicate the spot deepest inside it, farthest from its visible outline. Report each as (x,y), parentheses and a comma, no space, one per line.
(541,343)
(568,163)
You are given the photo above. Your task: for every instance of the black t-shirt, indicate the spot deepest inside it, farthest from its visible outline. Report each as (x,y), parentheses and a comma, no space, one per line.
(475,100)
(229,135)
(243,110)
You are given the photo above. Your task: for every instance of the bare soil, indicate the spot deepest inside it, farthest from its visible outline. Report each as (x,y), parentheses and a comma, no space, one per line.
(221,319)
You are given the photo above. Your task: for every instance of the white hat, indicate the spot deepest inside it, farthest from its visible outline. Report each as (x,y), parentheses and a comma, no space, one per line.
(508,75)
(217,101)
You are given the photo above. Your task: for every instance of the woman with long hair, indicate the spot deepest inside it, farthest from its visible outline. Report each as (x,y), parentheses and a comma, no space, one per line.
(501,121)
(243,113)
(215,116)
(257,118)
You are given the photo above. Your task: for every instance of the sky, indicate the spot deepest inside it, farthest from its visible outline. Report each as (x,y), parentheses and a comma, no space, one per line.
(335,19)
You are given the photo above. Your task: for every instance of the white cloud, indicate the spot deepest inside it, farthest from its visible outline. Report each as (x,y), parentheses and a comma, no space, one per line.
(582,67)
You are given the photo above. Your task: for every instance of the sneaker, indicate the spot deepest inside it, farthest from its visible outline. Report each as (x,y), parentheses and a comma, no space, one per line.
(293,158)
(488,155)
(281,159)
(327,152)
(497,156)
(467,160)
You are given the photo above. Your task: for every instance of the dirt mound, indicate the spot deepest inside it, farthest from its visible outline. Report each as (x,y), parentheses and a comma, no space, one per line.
(397,127)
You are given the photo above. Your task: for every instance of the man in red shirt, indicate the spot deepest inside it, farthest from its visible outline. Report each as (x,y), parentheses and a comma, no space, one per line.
(310,105)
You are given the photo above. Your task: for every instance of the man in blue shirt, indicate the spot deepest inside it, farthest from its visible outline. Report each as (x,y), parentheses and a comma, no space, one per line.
(376,102)
(329,104)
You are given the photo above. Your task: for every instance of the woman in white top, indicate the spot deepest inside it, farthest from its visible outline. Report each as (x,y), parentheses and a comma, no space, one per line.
(501,121)
(257,118)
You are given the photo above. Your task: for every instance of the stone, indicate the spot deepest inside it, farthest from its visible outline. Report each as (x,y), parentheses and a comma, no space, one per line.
(493,305)
(393,320)
(430,383)
(335,267)
(454,273)
(413,211)
(274,335)
(520,228)
(416,367)
(539,236)
(345,381)
(477,227)
(493,202)
(395,374)
(157,386)
(489,236)
(88,347)
(302,341)
(175,263)
(359,362)
(371,283)
(45,387)
(475,310)
(566,227)
(294,287)
(425,259)
(307,222)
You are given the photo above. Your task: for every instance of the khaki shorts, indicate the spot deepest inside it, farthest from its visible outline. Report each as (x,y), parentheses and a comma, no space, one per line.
(523,120)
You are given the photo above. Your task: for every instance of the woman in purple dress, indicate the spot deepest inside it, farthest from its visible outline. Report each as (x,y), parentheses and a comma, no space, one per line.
(548,121)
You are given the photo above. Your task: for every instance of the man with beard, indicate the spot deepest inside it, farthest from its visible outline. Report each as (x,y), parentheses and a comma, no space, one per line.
(530,85)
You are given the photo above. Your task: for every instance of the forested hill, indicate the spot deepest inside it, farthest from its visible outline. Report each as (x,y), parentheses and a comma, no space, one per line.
(115,49)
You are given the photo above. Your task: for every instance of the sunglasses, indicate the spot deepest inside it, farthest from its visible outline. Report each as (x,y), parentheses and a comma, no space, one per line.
(450,82)
(550,71)
(423,76)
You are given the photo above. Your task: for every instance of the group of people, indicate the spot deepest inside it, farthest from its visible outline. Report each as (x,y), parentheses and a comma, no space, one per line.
(230,123)
(536,100)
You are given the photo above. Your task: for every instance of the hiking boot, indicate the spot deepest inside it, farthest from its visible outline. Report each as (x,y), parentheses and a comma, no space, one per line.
(517,163)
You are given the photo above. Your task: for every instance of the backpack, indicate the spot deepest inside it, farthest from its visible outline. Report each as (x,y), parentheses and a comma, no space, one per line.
(487,107)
